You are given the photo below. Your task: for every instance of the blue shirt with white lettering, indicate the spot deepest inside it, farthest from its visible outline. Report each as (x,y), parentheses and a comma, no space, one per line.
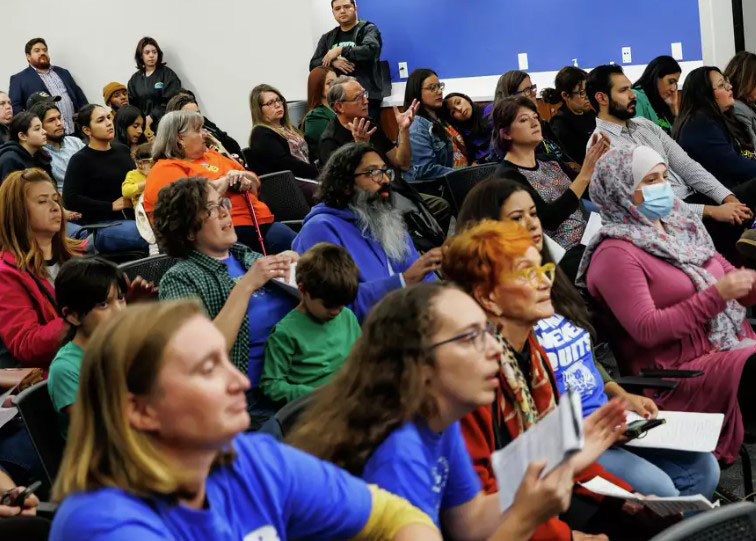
(569,350)
(271,492)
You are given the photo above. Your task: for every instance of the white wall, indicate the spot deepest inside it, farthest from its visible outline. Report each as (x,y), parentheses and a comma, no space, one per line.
(749,22)
(220,50)
(717,31)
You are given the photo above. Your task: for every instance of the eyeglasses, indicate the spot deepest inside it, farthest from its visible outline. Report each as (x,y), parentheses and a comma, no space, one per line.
(215,208)
(435,87)
(529,90)
(358,97)
(581,93)
(534,275)
(724,85)
(273,102)
(377,175)
(477,338)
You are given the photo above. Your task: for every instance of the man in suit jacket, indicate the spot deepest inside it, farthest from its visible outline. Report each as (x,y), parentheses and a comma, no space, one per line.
(40,76)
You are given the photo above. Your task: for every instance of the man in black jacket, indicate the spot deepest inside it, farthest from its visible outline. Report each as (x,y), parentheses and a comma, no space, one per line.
(353,48)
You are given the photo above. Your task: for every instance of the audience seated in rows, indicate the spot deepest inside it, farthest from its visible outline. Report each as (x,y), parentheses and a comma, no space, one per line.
(656,92)
(25,149)
(115,95)
(158,377)
(59,146)
(154,83)
(92,185)
(129,128)
(675,302)
(518,134)
(216,139)
(6,115)
(193,221)
(575,120)
(741,72)
(425,359)
(311,342)
(566,339)
(42,76)
(356,212)
(89,291)
(133,185)
(518,83)
(353,48)
(466,116)
(437,147)
(179,151)
(723,211)
(319,112)
(274,143)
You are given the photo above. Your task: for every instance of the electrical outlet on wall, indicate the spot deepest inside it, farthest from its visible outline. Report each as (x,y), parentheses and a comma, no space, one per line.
(403,70)
(522,61)
(575,62)
(627,55)
(677,50)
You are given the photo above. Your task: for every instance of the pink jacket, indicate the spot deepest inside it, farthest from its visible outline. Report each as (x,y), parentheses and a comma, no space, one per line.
(30,326)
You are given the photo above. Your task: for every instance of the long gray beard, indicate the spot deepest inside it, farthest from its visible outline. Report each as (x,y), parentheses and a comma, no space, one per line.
(382,222)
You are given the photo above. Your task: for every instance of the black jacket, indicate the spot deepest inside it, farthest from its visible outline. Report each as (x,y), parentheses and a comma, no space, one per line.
(228,142)
(573,131)
(3,133)
(151,94)
(269,152)
(14,157)
(366,55)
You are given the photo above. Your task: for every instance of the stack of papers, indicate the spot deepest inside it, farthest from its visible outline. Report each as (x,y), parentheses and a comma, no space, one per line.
(683,431)
(591,228)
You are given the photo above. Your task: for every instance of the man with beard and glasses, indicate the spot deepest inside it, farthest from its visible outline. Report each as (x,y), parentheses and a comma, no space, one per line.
(59,145)
(612,97)
(357,212)
(41,76)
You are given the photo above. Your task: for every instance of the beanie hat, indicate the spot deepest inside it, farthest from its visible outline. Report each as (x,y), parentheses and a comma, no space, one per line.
(110,89)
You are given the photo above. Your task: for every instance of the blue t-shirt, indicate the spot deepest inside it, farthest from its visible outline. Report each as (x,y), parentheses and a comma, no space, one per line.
(432,471)
(267,306)
(270,492)
(571,356)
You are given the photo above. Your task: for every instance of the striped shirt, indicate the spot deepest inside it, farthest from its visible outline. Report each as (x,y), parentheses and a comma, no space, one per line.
(69,146)
(686,176)
(55,87)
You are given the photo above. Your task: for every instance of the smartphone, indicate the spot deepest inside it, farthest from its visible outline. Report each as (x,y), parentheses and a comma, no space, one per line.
(637,428)
(17,500)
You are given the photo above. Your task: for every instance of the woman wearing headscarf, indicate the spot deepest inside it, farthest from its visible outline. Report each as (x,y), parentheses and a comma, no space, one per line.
(676,303)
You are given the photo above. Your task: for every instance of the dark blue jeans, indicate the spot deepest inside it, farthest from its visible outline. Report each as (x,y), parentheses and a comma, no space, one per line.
(122,236)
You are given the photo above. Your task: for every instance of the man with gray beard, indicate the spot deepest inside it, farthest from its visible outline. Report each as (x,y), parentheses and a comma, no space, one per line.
(356,211)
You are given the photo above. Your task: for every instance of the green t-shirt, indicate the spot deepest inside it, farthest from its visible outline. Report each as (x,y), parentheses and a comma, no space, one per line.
(63,380)
(302,353)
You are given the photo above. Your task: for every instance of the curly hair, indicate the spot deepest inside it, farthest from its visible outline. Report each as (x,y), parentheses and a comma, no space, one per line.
(381,385)
(337,178)
(177,214)
(476,258)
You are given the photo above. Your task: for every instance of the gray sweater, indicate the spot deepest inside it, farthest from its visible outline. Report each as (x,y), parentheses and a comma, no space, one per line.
(747,116)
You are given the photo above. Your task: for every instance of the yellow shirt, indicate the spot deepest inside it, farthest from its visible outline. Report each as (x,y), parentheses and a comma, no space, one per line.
(130,187)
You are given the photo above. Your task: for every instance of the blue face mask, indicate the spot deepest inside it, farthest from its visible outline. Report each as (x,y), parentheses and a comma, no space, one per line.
(658,200)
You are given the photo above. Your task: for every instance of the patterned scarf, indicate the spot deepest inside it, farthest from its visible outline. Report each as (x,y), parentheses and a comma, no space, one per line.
(524,403)
(458,147)
(685,243)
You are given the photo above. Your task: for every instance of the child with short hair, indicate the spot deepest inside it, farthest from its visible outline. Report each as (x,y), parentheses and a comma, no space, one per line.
(136,179)
(89,291)
(308,345)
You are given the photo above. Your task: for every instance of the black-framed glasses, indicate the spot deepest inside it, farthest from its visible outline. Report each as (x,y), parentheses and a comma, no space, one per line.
(377,175)
(273,102)
(476,337)
(529,90)
(581,93)
(435,87)
(215,208)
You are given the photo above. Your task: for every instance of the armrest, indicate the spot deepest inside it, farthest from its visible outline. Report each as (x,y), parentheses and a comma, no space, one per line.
(640,382)
(672,373)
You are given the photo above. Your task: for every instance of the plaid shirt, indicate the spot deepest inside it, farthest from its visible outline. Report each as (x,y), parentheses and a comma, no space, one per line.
(200,276)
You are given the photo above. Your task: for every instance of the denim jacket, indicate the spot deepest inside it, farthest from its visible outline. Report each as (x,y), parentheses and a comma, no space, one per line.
(432,157)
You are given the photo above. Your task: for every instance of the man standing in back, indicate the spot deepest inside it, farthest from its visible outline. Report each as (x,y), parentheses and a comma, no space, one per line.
(41,76)
(353,48)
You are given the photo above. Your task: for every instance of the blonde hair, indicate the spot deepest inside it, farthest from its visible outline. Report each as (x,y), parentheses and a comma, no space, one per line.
(255,107)
(16,235)
(123,356)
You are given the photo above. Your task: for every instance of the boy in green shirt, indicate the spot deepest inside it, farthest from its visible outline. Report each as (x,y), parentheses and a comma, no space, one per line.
(89,291)
(308,345)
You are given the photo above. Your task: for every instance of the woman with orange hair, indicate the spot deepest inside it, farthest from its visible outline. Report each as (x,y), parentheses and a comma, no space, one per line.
(319,114)
(498,264)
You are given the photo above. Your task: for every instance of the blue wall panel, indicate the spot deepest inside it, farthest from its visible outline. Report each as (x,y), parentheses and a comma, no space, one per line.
(469,38)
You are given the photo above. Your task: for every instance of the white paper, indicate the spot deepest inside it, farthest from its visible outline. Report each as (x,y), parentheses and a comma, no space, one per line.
(290,286)
(591,228)
(677,50)
(683,431)
(552,439)
(555,249)
(6,414)
(522,60)
(661,506)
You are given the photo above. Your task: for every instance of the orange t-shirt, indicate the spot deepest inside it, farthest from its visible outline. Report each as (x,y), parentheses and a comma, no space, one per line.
(212,166)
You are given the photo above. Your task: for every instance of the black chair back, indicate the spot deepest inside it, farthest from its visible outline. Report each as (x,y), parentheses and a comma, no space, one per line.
(284,420)
(283,196)
(151,269)
(460,182)
(41,422)
(735,522)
